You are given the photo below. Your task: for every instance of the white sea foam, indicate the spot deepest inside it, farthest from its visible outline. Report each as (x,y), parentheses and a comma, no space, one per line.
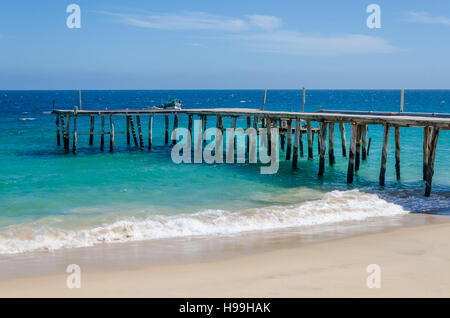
(27,118)
(335,206)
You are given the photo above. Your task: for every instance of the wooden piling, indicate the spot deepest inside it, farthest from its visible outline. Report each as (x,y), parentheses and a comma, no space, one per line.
(323,147)
(289,140)
(102,136)
(331,158)
(431,158)
(358,147)
(300,144)
(63,131)
(128,131)
(150,133)
(111,133)
(351,155)
(384,154)
(190,124)
(303,100)
(219,137)
(91,136)
(343,140)
(282,136)
(264,99)
(175,126)
(249,124)
(67,132)
(269,136)
(133,131)
(296,140)
(310,139)
(141,139)
(363,142)
(75,133)
(426,149)
(397,152)
(205,118)
(166,138)
(58,136)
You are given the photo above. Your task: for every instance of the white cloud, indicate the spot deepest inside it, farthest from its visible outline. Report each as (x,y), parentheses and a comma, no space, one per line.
(425,17)
(294,43)
(259,32)
(264,21)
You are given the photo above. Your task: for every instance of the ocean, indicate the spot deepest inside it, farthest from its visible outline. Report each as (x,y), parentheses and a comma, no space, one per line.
(51,200)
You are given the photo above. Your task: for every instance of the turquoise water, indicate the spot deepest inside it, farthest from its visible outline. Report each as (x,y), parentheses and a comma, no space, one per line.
(47,195)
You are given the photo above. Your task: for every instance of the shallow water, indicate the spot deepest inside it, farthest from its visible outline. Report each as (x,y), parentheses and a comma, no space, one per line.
(49,199)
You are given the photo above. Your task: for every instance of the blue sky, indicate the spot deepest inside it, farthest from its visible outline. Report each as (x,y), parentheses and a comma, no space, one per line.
(224,44)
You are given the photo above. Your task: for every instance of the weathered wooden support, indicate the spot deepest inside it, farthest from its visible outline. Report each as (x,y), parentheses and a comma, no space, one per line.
(255,123)
(296,140)
(232,141)
(343,141)
(249,124)
(289,140)
(384,154)
(128,131)
(91,136)
(219,137)
(397,152)
(282,136)
(190,124)
(150,133)
(198,152)
(310,139)
(102,136)
(264,99)
(67,132)
(141,139)
(269,136)
(358,148)
(205,118)
(319,140)
(233,125)
(331,158)
(111,133)
(368,146)
(133,131)
(351,155)
(166,137)
(426,149)
(323,147)
(431,158)
(75,137)
(58,136)
(175,126)
(363,142)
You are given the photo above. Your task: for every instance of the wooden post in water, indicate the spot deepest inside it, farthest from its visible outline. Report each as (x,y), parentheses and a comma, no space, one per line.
(402,100)
(75,133)
(358,147)
(310,140)
(190,124)
(111,133)
(79,95)
(150,132)
(384,154)
(289,140)
(205,118)
(431,157)
(133,131)
(303,100)
(343,141)
(301,140)
(128,130)
(199,149)
(91,136)
(249,124)
(364,142)
(296,139)
(397,152)
(282,136)
(175,126)
(264,99)
(331,144)
(102,137)
(269,136)
(141,139)
(58,136)
(166,138)
(233,125)
(351,155)
(219,137)
(63,131)
(426,149)
(323,147)
(67,132)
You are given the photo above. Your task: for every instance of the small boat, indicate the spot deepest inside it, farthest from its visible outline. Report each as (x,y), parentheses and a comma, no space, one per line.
(173,103)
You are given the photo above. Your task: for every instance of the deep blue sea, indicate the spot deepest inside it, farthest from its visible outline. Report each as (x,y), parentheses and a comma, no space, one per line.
(50,199)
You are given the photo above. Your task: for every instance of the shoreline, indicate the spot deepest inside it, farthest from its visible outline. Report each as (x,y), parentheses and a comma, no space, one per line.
(332,268)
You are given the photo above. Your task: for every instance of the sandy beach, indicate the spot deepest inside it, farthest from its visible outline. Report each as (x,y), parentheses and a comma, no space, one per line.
(414,262)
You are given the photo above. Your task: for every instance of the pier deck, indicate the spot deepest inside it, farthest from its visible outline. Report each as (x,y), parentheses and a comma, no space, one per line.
(358,121)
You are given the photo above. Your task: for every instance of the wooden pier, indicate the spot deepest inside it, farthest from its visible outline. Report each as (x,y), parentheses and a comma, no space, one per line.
(292,127)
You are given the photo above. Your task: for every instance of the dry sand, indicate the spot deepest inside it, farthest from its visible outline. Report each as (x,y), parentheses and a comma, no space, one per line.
(415,262)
